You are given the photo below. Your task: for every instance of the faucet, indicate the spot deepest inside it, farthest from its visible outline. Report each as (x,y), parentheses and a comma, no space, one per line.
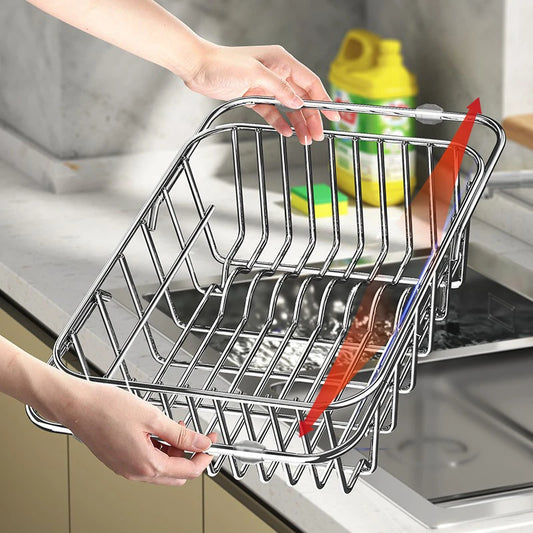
(508,179)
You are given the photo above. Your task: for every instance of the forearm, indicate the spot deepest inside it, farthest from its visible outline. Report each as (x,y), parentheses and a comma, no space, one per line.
(144,28)
(141,27)
(31,381)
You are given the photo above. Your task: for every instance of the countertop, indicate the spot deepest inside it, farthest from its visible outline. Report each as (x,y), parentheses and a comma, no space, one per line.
(53,247)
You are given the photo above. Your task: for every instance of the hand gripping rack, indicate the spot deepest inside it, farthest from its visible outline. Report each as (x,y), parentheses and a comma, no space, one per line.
(271,294)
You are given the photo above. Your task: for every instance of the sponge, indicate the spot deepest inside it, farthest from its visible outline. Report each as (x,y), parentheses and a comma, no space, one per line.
(322,200)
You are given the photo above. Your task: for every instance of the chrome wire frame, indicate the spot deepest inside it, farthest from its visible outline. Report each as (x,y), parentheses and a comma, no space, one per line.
(257,427)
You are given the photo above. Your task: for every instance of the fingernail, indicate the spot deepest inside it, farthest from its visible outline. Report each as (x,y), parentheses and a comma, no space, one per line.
(336,116)
(297,102)
(201,443)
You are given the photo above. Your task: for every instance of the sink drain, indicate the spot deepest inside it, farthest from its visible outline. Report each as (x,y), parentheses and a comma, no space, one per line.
(433,452)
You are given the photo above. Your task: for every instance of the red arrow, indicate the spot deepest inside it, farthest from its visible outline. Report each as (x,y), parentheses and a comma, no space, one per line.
(435,199)
(441,183)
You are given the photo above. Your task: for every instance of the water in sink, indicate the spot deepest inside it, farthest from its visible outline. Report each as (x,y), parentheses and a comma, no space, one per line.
(481,312)
(185,302)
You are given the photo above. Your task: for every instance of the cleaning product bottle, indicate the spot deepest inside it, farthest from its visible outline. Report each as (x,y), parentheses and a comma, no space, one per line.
(370,70)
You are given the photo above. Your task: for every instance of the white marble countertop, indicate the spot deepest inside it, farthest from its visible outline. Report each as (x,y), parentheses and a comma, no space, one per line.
(52,249)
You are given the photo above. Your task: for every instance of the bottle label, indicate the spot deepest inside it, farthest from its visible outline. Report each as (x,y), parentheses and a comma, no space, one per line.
(389,125)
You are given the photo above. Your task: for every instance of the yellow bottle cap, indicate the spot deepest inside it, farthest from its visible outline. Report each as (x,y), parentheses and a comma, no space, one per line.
(370,67)
(389,53)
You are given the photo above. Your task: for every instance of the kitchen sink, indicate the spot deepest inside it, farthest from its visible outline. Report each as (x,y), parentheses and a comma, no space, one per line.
(463,447)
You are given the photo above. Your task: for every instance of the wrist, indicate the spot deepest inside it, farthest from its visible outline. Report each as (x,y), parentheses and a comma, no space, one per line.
(58,397)
(31,381)
(191,59)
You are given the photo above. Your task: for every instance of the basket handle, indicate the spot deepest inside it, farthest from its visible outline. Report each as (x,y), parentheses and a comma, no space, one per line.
(45,424)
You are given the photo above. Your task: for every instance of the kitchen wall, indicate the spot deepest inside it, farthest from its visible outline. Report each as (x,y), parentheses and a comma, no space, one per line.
(454,47)
(462,49)
(518,59)
(78,97)
(518,75)
(30,74)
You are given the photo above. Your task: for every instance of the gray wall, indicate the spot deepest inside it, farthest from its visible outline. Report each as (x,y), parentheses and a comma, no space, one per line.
(30,73)
(462,49)
(77,97)
(454,47)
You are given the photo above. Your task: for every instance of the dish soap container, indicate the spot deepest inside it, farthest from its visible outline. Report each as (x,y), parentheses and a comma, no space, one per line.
(370,70)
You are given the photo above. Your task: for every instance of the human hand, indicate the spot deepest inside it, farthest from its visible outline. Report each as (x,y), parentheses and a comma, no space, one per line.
(229,72)
(114,424)
(117,427)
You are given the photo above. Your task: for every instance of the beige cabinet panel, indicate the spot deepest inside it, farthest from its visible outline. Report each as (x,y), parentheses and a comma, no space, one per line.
(33,463)
(225,514)
(102,501)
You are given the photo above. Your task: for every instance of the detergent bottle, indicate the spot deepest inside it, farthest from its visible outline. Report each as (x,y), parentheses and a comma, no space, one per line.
(370,70)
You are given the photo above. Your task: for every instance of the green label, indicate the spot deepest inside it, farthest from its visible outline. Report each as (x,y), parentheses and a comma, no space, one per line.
(388,125)
(380,124)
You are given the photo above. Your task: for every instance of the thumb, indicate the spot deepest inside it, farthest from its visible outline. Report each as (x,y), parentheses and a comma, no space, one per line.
(179,436)
(278,88)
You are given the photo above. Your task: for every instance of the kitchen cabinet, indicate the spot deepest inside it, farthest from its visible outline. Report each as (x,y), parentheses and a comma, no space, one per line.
(33,463)
(102,501)
(225,514)
(228,508)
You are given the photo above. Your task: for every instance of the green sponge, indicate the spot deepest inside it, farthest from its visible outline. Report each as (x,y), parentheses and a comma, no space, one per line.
(322,198)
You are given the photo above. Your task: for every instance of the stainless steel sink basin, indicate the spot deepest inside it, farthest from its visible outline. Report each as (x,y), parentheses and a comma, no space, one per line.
(463,447)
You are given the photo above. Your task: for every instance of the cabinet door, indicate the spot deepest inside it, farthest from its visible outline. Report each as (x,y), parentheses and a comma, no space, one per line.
(224,513)
(103,501)
(33,463)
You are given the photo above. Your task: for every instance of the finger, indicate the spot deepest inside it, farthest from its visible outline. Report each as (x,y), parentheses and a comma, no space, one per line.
(168,481)
(273,117)
(300,126)
(160,446)
(278,87)
(313,116)
(171,451)
(314,124)
(211,436)
(201,461)
(178,436)
(313,120)
(182,468)
(312,86)
(175,452)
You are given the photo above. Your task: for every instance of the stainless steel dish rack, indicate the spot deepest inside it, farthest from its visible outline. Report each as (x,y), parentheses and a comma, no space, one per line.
(260,298)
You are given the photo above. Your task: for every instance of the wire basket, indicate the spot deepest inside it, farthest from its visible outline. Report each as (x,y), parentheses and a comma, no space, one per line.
(256,300)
